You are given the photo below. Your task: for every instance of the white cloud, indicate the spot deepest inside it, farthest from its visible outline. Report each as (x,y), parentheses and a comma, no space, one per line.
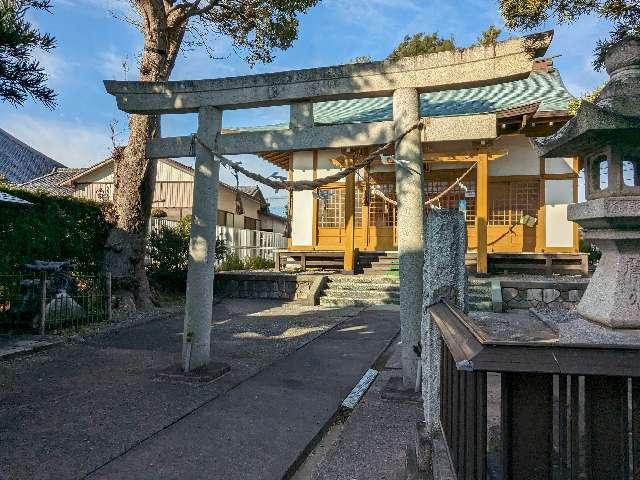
(72,144)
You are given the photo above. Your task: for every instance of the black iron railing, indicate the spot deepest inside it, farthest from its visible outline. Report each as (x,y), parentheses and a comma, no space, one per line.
(44,302)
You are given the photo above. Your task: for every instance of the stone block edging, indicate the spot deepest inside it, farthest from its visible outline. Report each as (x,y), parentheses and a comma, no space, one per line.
(266,285)
(541,293)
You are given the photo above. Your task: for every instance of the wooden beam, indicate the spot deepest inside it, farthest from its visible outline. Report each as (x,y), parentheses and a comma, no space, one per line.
(462,156)
(482,211)
(349,223)
(437,129)
(475,66)
(314,213)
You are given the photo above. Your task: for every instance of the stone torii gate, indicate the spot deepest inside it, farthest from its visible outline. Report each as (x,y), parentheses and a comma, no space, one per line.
(403,80)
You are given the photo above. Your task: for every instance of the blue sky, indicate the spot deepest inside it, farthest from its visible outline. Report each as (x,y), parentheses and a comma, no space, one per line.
(92,45)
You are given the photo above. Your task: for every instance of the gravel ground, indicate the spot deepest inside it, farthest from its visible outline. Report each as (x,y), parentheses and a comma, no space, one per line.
(67,410)
(371,441)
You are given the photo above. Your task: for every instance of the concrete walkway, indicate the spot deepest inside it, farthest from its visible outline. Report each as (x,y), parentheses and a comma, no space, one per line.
(95,410)
(259,429)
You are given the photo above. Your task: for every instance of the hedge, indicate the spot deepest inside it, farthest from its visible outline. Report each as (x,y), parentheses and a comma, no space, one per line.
(53,228)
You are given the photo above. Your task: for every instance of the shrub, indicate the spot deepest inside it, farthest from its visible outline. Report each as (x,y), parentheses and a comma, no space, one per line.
(168,251)
(233,262)
(257,263)
(53,228)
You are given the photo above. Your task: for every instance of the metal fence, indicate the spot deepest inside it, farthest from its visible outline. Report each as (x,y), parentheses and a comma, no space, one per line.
(241,242)
(53,302)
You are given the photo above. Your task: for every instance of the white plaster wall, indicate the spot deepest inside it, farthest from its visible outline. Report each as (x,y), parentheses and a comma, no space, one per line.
(559,231)
(325,167)
(558,165)
(521,158)
(302,211)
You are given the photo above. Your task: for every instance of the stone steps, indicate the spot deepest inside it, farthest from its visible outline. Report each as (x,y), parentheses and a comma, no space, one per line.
(480,296)
(360,290)
(354,302)
(362,279)
(362,294)
(364,287)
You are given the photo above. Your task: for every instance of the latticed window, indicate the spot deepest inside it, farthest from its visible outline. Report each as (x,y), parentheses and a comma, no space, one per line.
(359,200)
(524,200)
(382,213)
(509,201)
(462,196)
(499,204)
(331,208)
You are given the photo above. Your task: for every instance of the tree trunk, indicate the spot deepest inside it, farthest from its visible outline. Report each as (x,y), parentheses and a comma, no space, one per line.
(134,174)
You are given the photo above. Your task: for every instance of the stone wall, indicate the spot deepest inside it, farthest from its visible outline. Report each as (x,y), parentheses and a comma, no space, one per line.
(528,294)
(272,285)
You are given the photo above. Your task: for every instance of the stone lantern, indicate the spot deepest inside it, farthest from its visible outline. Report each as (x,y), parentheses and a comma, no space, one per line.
(606,137)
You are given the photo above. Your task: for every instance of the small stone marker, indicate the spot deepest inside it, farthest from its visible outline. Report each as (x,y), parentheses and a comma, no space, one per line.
(445,278)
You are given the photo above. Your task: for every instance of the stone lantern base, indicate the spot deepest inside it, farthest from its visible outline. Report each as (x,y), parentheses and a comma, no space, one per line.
(613,225)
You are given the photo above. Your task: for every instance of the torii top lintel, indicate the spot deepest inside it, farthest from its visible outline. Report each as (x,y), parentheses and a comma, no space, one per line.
(475,66)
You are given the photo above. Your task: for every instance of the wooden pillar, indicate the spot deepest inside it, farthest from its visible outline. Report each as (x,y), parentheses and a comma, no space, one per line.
(482,210)
(196,340)
(349,223)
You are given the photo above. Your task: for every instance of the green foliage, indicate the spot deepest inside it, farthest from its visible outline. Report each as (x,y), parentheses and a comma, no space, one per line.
(168,251)
(221,250)
(591,249)
(591,96)
(21,74)
(256,27)
(257,263)
(420,44)
(53,228)
(489,37)
(233,262)
(624,14)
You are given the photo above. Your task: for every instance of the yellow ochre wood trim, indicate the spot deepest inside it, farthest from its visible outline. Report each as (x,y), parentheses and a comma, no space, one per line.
(290,203)
(314,231)
(482,210)
(541,226)
(349,222)
(462,156)
(576,230)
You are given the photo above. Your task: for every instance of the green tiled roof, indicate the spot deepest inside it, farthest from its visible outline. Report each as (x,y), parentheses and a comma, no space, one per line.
(543,87)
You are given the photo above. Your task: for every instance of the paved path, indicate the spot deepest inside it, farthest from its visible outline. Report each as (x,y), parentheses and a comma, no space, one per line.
(68,411)
(258,429)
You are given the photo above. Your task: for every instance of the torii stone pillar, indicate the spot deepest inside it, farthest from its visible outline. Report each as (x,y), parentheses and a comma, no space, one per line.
(410,198)
(196,342)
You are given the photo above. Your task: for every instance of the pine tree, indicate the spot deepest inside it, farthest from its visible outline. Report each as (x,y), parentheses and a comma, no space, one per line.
(21,75)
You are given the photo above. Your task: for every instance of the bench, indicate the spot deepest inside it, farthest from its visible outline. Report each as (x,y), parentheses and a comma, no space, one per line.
(542,263)
(324,259)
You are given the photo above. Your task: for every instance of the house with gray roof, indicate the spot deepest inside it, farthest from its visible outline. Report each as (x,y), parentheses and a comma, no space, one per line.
(20,163)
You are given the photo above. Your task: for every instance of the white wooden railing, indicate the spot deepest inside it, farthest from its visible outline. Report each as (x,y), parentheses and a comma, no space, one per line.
(240,241)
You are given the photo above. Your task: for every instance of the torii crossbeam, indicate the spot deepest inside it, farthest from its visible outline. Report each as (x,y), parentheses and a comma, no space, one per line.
(402,79)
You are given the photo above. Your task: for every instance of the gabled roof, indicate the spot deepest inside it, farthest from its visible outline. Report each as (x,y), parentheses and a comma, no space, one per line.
(20,163)
(252,192)
(51,182)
